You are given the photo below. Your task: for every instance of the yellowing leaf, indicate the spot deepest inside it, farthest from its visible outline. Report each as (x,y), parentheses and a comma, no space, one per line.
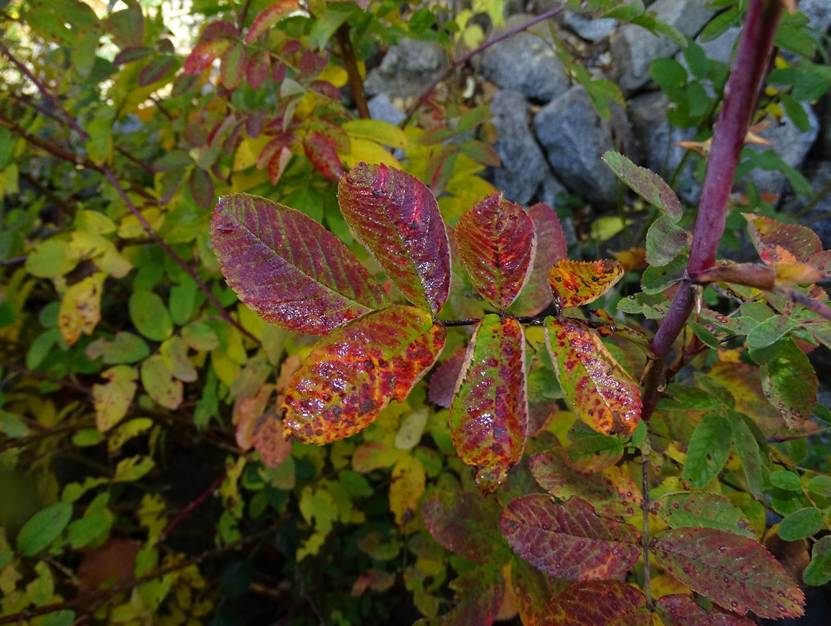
(113,399)
(377,131)
(364,150)
(406,489)
(131,228)
(576,283)
(80,309)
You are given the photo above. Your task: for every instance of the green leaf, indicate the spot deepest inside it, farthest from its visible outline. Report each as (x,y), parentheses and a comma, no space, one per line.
(664,241)
(159,383)
(790,383)
(747,447)
(705,510)
(800,524)
(708,450)
(769,331)
(646,183)
(783,479)
(43,528)
(150,316)
(820,485)
(51,258)
(657,278)
(818,572)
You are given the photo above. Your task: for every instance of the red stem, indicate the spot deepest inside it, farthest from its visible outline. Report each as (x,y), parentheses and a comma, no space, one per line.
(741,93)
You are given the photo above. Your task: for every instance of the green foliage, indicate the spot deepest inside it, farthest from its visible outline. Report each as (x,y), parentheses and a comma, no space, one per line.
(161,427)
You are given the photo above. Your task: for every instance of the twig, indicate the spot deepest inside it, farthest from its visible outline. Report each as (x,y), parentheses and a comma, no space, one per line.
(356,84)
(806,435)
(192,506)
(243,14)
(741,93)
(422,98)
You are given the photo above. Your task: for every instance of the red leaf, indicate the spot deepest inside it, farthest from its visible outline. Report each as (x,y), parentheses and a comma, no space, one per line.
(496,242)
(489,415)
(544,601)
(258,69)
(397,218)
(269,17)
(465,522)
(777,242)
(320,150)
(277,165)
(352,374)
(680,610)
(287,267)
(443,379)
(204,54)
(576,283)
(569,540)
(735,572)
(611,491)
(157,69)
(232,67)
(595,386)
(551,247)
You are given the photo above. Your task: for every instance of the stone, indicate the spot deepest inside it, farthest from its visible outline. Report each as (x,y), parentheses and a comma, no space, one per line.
(818,217)
(590,29)
(721,48)
(523,163)
(574,138)
(791,144)
(552,191)
(382,108)
(408,68)
(658,142)
(634,48)
(526,63)
(818,12)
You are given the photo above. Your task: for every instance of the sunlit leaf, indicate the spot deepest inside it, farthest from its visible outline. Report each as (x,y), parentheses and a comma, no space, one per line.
(569,540)
(288,268)
(646,183)
(735,572)
(576,283)
(80,309)
(496,243)
(777,242)
(203,55)
(352,374)
(551,247)
(595,386)
(397,218)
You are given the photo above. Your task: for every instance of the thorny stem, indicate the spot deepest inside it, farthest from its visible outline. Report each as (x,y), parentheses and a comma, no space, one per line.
(424,95)
(356,83)
(741,93)
(113,180)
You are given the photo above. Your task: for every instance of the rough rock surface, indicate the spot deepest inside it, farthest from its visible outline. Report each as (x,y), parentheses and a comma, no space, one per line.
(382,108)
(523,163)
(575,137)
(788,142)
(593,30)
(525,63)
(407,69)
(634,48)
(819,217)
(818,12)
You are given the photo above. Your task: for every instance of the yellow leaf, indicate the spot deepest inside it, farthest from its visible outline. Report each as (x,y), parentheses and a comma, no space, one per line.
(113,399)
(80,309)
(131,228)
(368,152)
(378,131)
(335,74)
(664,585)
(406,489)
(243,181)
(248,151)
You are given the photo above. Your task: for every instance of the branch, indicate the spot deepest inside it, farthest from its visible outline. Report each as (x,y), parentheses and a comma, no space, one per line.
(113,180)
(422,98)
(741,93)
(192,506)
(356,83)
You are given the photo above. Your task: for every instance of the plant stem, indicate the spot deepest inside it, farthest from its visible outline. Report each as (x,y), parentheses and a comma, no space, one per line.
(741,93)
(356,83)
(424,95)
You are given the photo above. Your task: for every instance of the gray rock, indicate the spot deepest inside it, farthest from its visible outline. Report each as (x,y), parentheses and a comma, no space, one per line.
(791,144)
(523,163)
(721,48)
(818,12)
(658,142)
(526,63)
(407,69)
(590,29)
(382,108)
(634,48)
(552,190)
(574,138)
(819,217)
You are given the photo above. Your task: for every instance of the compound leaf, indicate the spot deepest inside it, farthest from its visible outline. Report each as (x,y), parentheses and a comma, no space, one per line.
(489,414)
(568,541)
(496,243)
(576,283)
(596,387)
(735,572)
(352,374)
(288,268)
(397,218)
